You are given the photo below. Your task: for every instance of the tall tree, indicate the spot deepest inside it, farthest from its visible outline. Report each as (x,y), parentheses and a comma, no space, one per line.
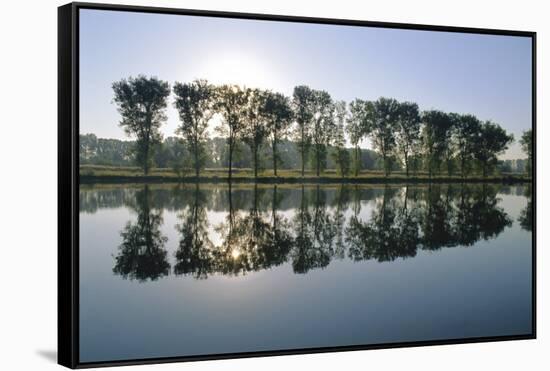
(492,141)
(194,102)
(322,128)
(278,115)
(303,100)
(231,103)
(141,101)
(467,130)
(436,135)
(408,132)
(357,128)
(254,130)
(384,115)
(340,154)
(526,142)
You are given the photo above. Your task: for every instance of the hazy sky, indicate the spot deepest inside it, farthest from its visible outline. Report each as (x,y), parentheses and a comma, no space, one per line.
(488,76)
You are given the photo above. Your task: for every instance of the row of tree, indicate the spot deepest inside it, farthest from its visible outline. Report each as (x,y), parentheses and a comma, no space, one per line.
(398,131)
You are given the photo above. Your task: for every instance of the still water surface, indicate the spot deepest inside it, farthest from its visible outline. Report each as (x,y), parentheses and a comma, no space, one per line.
(170,270)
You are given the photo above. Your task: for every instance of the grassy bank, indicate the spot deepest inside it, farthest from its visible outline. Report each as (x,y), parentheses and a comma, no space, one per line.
(107,174)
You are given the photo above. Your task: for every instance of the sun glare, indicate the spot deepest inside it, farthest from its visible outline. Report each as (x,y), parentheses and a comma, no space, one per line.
(238,68)
(235,253)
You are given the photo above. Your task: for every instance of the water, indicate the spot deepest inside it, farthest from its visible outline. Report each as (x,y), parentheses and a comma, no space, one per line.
(170,270)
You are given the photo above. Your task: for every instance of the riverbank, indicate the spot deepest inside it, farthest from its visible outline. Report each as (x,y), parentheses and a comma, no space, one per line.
(104,174)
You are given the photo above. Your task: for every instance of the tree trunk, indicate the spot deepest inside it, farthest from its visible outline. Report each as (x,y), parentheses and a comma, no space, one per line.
(196,150)
(303,152)
(146,159)
(407,164)
(274,156)
(303,164)
(356,162)
(255,162)
(318,155)
(230,159)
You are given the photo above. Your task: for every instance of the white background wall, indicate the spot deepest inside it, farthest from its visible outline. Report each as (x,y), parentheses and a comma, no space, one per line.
(28,155)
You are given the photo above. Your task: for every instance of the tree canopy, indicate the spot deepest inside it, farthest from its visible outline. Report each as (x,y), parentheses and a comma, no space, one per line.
(141,101)
(309,131)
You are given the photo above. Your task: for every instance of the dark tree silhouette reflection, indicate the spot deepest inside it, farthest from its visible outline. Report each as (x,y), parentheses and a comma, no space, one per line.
(251,241)
(142,255)
(443,216)
(307,226)
(526,215)
(392,231)
(195,252)
(315,232)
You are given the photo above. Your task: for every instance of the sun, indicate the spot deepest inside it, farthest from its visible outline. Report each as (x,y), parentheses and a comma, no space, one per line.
(240,68)
(235,253)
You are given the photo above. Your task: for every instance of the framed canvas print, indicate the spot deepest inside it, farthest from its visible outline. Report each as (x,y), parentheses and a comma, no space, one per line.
(237,185)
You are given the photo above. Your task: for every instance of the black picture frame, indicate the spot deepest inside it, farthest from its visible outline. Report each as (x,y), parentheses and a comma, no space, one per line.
(68,180)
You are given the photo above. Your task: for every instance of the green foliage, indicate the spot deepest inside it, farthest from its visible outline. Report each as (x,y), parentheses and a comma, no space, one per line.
(467,129)
(99,151)
(232,103)
(357,128)
(303,100)
(278,115)
(194,102)
(382,116)
(322,128)
(141,102)
(340,153)
(254,130)
(261,129)
(408,132)
(436,138)
(492,141)
(526,142)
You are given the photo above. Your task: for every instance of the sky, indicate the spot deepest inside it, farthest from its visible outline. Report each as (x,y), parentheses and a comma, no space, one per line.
(485,75)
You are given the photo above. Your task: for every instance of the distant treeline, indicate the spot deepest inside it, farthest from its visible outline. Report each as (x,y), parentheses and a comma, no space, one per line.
(168,154)
(310,126)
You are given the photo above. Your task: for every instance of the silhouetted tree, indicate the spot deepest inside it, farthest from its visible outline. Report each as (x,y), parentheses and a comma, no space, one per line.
(467,130)
(407,132)
(436,136)
(322,128)
(526,142)
(278,114)
(357,128)
(255,129)
(232,104)
(491,142)
(340,154)
(194,103)
(303,100)
(141,102)
(383,118)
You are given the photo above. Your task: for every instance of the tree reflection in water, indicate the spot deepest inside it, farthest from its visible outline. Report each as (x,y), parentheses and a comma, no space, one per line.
(526,216)
(194,254)
(315,232)
(251,243)
(142,255)
(306,226)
